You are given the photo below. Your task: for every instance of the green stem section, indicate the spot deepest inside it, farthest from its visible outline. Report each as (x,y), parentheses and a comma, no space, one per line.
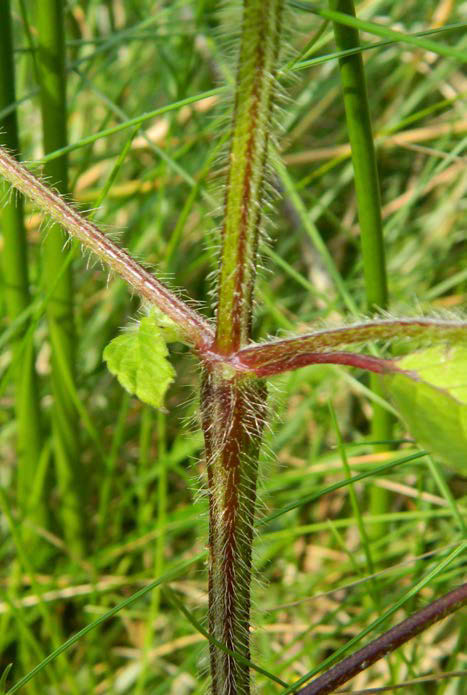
(363,159)
(369,205)
(17,297)
(259,48)
(233,410)
(56,280)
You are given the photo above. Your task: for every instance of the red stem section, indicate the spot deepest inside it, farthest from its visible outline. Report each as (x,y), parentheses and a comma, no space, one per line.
(398,635)
(371,364)
(233,411)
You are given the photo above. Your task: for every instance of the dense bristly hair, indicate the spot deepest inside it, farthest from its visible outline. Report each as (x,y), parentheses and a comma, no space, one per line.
(228,39)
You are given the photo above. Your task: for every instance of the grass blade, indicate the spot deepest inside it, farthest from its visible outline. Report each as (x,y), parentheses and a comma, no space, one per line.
(167,577)
(17,296)
(385,33)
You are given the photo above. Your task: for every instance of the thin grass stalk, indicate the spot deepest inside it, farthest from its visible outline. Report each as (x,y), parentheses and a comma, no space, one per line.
(233,406)
(359,128)
(51,66)
(16,289)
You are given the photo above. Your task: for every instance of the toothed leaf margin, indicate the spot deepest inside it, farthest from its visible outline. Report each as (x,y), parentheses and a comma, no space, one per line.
(138,358)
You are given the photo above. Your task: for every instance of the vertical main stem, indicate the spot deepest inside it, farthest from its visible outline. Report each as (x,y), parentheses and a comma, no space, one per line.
(369,208)
(58,281)
(233,406)
(255,87)
(17,296)
(233,412)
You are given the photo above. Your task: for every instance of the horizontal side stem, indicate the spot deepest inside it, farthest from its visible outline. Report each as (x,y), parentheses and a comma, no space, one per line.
(433,330)
(195,327)
(388,642)
(350,359)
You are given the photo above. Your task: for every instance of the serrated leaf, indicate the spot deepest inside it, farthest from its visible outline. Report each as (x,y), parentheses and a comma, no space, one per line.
(138,358)
(432,399)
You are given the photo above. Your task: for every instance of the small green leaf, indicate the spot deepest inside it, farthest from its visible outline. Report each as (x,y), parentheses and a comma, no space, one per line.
(168,328)
(432,399)
(138,358)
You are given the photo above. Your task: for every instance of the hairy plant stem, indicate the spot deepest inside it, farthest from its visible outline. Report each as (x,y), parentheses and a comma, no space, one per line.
(277,356)
(233,398)
(195,329)
(260,41)
(233,404)
(233,414)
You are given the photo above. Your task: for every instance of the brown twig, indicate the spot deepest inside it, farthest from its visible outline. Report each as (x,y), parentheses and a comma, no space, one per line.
(388,642)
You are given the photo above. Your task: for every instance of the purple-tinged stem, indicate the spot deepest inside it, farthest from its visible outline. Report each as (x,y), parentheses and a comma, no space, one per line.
(233,414)
(261,356)
(191,324)
(371,364)
(388,642)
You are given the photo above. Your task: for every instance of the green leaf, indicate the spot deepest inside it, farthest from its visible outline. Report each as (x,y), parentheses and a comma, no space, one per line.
(138,358)
(432,399)
(168,328)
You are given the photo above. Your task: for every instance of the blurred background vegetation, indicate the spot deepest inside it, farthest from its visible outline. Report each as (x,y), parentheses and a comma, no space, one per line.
(113,499)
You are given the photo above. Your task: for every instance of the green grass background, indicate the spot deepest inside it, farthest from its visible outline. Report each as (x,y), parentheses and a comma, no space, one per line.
(141,515)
